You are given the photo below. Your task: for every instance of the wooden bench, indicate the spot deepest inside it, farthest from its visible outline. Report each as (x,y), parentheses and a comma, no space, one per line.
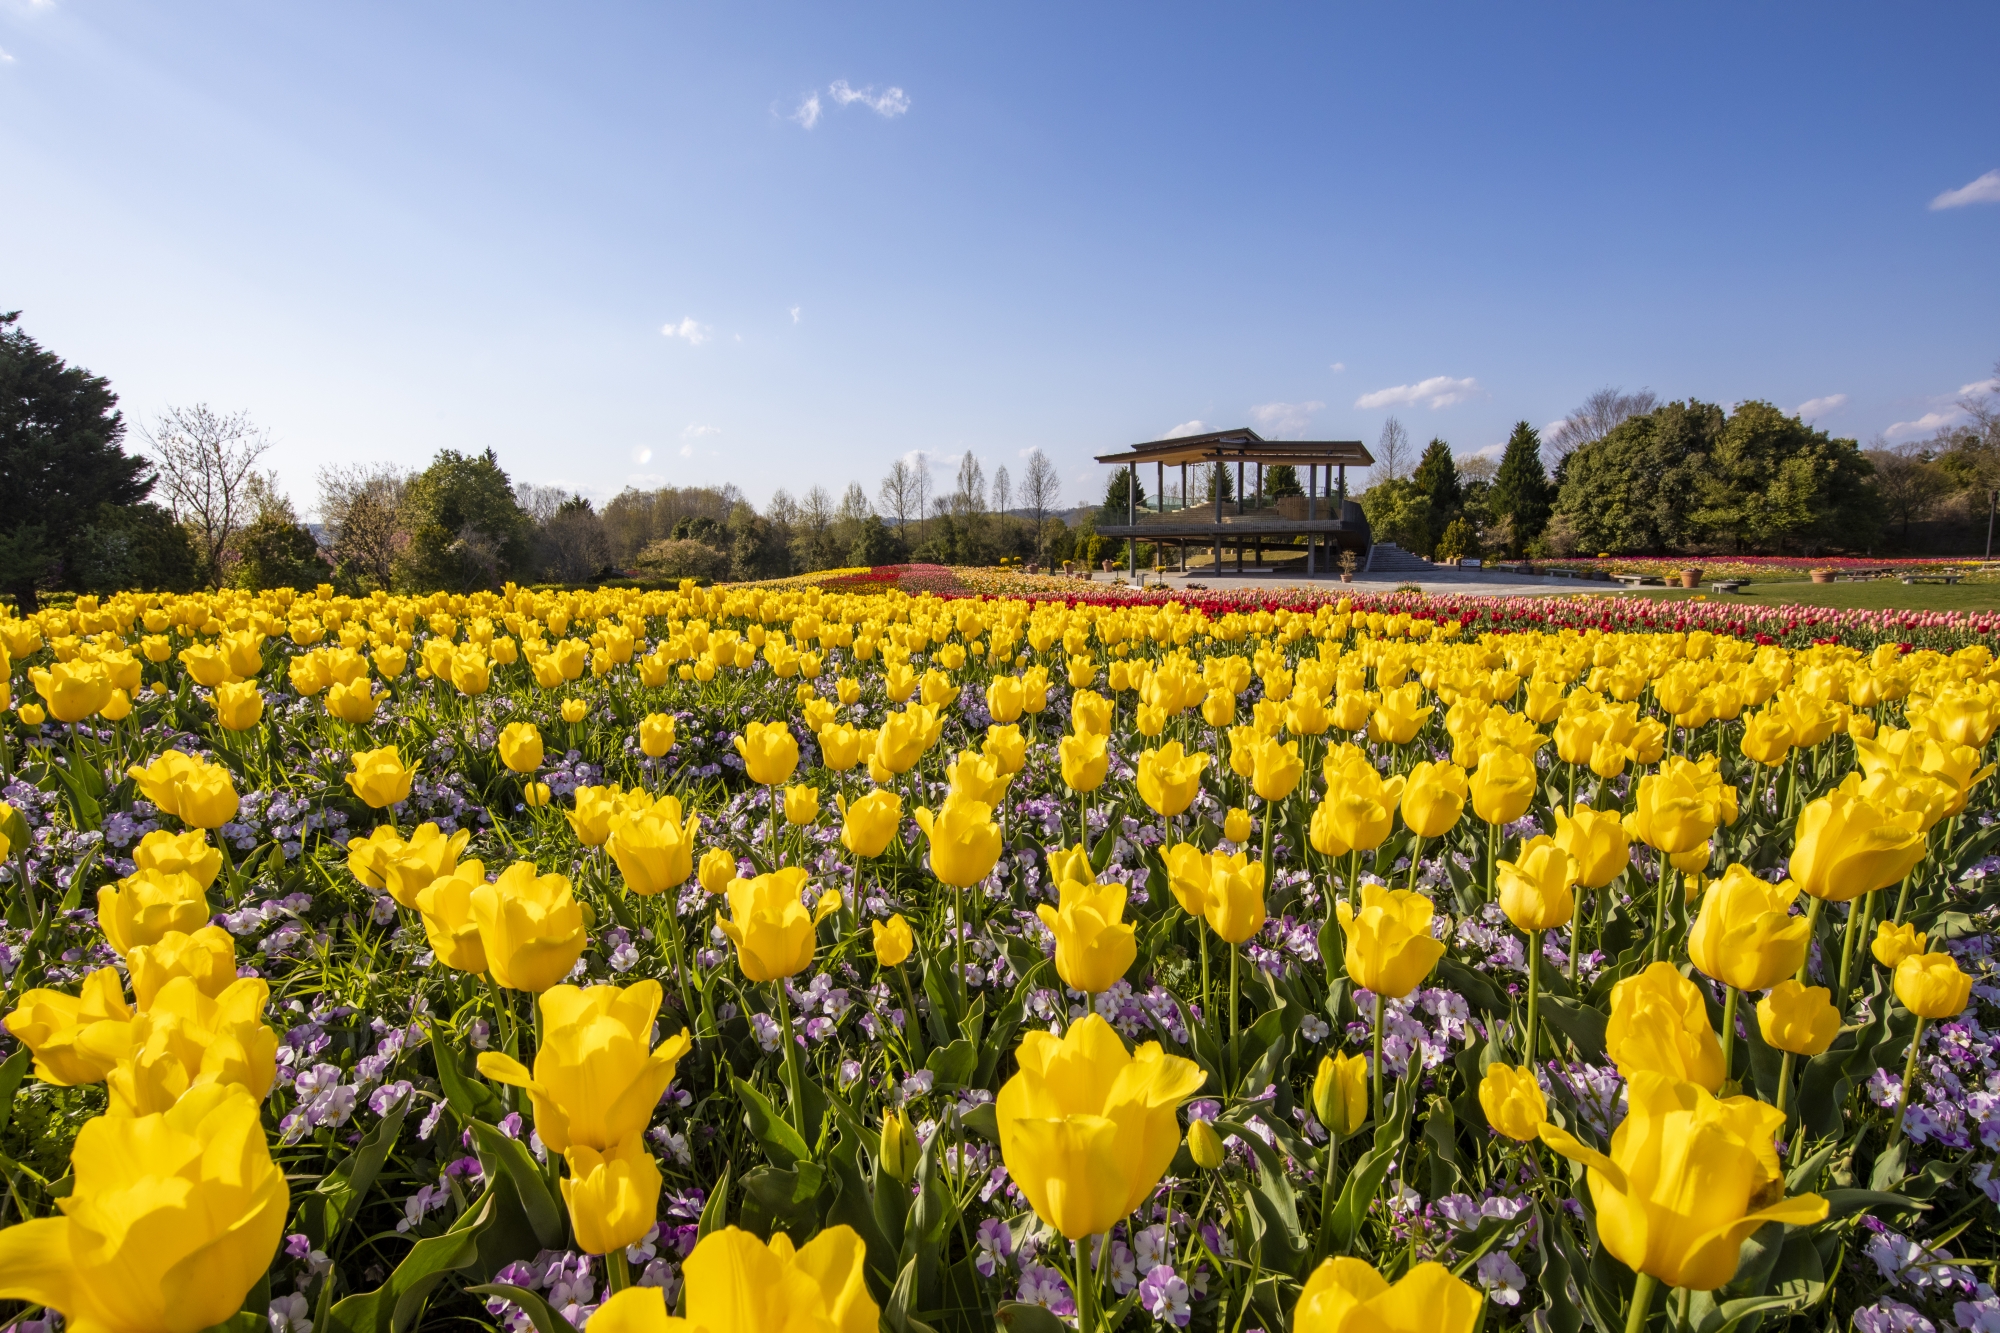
(1637,580)
(1942,576)
(1728,585)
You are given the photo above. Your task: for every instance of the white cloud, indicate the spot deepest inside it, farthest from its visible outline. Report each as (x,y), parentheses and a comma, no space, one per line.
(1490,451)
(695,334)
(892,103)
(1980,388)
(1923,425)
(1985,190)
(1819,407)
(5,59)
(1439,390)
(795,314)
(694,430)
(1338,367)
(1185,428)
(1554,426)
(808,113)
(1283,419)
(642,455)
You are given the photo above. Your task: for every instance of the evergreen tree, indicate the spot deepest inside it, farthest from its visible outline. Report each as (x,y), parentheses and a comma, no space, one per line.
(1437,477)
(467,529)
(60,465)
(1282,479)
(1521,493)
(1117,510)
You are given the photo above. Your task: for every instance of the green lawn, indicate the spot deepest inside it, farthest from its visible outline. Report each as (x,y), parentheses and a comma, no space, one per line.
(1874,595)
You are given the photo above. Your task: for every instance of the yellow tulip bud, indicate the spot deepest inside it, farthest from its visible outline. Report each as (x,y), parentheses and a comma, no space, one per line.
(801,804)
(531,927)
(1894,943)
(1930,985)
(718,870)
(1389,945)
(1513,1101)
(868,825)
(521,747)
(1348,1294)
(1745,935)
(1340,1093)
(1094,944)
(1204,1145)
(1799,1019)
(613,1196)
(900,1149)
(1236,824)
(893,940)
(380,777)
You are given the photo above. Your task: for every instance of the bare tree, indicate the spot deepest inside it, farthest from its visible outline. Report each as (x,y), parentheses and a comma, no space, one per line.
(1475,467)
(203,462)
(920,464)
(1909,481)
(1003,491)
(783,509)
(854,506)
(899,493)
(358,506)
(1041,488)
(1392,452)
(1600,414)
(540,502)
(969,495)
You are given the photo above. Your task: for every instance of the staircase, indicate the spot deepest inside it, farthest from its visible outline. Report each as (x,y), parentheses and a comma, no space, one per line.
(1389,558)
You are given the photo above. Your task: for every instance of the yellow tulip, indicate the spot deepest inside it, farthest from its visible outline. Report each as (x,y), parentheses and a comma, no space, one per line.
(1084,761)
(186,853)
(1090,713)
(354,702)
(1003,699)
(903,739)
(1236,824)
(1502,786)
(1087,1130)
(1397,716)
(145,905)
(170,1221)
(1006,747)
(195,792)
(769,752)
(893,940)
(1799,1019)
(1745,936)
(1349,1296)
(1596,842)
(409,867)
(1434,798)
(446,906)
(977,778)
(380,777)
(597,1077)
(208,956)
(613,1196)
(1513,1101)
(1359,808)
(654,847)
(1071,863)
(1683,1184)
(1894,943)
(1094,945)
(1660,1025)
(31,715)
(1340,1093)
(1389,945)
(1276,769)
(63,1031)
(656,734)
(1767,737)
(964,841)
(1678,808)
(868,825)
(718,870)
(1535,886)
(530,926)
(1930,985)
(72,690)
(186,1039)
(368,858)
(1204,1144)
(770,926)
(521,747)
(738,1284)
(1235,906)
(239,706)
(574,710)
(840,746)
(801,804)
(1169,778)
(1846,845)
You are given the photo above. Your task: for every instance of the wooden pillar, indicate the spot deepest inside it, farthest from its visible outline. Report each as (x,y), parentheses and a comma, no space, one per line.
(1239,505)
(1160,487)
(1312,489)
(1260,485)
(1184,489)
(1132,520)
(1215,486)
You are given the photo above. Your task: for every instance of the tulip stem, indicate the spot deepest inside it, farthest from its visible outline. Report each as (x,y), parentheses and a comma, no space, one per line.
(1326,1192)
(1728,1028)
(791,1073)
(1268,831)
(1376,1069)
(1812,930)
(958,942)
(1534,989)
(1576,940)
(1669,874)
(618,1273)
(1642,1303)
(1233,1019)
(1785,1081)
(1201,941)
(1865,909)
(1909,1078)
(1416,857)
(1903,898)
(1492,855)
(1085,1293)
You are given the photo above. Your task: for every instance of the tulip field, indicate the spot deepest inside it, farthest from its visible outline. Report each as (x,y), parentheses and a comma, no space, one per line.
(799,958)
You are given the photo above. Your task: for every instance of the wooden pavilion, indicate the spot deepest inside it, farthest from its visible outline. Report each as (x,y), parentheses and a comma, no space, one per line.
(1323,516)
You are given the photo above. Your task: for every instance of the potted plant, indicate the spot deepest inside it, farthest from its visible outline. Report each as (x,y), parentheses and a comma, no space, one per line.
(1348,563)
(1691,577)
(1823,575)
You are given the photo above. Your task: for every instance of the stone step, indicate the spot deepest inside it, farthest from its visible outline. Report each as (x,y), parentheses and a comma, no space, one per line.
(1389,558)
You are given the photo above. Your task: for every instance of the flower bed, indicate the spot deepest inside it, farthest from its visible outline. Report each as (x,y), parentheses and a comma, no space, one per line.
(526,959)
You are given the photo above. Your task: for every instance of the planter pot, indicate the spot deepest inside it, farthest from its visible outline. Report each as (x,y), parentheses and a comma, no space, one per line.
(1822,576)
(1347,578)
(1691,578)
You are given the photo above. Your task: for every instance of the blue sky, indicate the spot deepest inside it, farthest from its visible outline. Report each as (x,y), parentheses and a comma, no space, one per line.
(784,244)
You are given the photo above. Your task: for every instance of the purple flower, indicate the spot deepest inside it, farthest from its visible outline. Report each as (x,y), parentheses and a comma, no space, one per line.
(1165,1296)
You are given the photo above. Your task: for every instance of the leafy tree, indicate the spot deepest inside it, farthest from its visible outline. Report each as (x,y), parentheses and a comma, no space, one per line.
(276,552)
(1631,489)
(678,558)
(1458,541)
(758,547)
(875,545)
(1520,494)
(1116,510)
(60,465)
(1774,483)
(466,528)
(1399,511)
(1437,477)
(137,547)
(1282,479)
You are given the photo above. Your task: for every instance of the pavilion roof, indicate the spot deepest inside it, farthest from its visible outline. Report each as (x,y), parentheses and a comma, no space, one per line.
(1246,445)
